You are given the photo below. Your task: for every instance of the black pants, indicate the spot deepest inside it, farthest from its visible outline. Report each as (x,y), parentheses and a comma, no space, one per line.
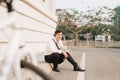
(55,58)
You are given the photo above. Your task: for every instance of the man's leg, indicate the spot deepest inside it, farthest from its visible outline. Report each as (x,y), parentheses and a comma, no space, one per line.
(73,62)
(61,58)
(55,61)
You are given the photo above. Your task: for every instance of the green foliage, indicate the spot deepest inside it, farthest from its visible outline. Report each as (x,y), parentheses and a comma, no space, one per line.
(100,29)
(68,34)
(96,30)
(115,33)
(117,9)
(72,21)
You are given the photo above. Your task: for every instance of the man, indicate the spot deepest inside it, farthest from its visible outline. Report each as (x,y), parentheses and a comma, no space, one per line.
(58,52)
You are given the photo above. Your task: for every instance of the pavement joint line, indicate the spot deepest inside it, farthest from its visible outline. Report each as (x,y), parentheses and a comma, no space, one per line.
(81,75)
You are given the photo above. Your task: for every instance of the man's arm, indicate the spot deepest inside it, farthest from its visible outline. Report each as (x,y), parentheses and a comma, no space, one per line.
(62,45)
(52,47)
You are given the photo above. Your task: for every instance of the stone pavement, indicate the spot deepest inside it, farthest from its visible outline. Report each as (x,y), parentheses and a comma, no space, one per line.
(66,69)
(101,64)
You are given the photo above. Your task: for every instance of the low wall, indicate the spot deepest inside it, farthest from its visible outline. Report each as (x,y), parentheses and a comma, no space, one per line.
(95,43)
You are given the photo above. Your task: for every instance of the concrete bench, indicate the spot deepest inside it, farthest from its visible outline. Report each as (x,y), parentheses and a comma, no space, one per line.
(47,67)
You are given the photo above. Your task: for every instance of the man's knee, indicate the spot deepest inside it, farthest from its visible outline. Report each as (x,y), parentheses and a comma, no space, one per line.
(68,54)
(55,55)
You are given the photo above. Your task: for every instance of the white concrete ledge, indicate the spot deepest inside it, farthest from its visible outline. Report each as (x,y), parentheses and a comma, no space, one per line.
(47,67)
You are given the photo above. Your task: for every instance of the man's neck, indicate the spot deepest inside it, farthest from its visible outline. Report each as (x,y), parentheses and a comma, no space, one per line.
(56,39)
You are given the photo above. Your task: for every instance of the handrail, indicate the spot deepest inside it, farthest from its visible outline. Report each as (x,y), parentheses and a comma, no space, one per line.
(9,21)
(12,49)
(13,46)
(24,51)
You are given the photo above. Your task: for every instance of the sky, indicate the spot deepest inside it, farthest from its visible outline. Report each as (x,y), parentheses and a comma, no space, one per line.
(84,4)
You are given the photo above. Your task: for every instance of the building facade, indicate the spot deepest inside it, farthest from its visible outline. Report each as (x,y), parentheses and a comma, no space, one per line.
(117,17)
(37,19)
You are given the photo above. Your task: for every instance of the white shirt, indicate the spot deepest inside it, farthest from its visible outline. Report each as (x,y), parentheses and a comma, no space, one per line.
(51,46)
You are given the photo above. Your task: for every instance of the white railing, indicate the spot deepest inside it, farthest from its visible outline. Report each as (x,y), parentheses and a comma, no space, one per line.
(95,43)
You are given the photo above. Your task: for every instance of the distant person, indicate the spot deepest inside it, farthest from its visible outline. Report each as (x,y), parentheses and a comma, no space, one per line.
(57,52)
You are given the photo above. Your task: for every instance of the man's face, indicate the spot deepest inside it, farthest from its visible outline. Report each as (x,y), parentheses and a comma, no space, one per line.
(58,36)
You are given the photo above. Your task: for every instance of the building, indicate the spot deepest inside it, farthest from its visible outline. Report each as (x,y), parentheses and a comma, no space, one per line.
(103,38)
(117,17)
(37,19)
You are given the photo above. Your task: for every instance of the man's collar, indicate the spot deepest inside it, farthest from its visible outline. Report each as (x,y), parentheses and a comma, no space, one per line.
(55,39)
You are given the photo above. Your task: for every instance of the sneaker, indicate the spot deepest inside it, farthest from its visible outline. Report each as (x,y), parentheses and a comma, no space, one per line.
(78,69)
(56,69)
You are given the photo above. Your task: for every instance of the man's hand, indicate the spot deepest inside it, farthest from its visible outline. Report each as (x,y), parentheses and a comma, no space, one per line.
(65,54)
(64,42)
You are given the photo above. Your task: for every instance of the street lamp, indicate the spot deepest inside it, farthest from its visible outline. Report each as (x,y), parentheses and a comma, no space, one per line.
(87,36)
(107,35)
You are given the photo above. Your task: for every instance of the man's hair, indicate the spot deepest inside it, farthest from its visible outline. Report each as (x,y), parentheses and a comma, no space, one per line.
(57,31)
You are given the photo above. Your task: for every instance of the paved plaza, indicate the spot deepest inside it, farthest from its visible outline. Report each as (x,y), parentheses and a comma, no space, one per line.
(100,64)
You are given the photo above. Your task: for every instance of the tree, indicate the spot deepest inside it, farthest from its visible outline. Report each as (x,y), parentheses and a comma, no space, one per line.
(76,21)
(115,33)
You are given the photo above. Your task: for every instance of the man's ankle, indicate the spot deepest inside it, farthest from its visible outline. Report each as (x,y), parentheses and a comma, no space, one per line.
(56,69)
